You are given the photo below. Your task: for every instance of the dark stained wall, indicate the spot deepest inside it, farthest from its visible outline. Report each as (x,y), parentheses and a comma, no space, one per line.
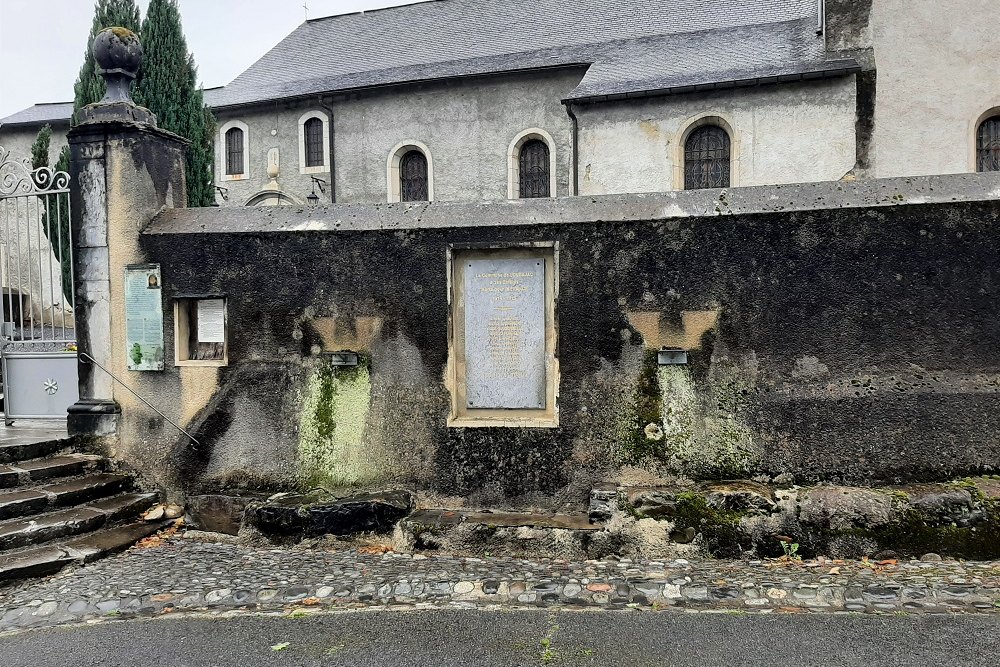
(857,345)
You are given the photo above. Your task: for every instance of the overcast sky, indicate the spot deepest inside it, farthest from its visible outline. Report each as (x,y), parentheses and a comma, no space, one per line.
(42,41)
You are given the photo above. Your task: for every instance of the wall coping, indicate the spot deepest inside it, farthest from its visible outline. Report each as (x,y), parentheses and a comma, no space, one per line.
(800,197)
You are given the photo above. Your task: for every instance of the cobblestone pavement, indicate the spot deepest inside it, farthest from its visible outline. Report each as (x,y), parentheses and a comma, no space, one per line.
(183,575)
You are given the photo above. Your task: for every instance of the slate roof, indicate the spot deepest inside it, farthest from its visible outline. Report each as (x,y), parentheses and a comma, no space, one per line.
(630,45)
(39,114)
(624,48)
(60,112)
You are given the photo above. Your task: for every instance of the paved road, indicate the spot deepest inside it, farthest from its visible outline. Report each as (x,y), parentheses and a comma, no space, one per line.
(456,638)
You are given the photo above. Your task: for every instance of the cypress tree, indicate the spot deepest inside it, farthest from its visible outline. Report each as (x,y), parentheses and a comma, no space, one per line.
(89,87)
(168,86)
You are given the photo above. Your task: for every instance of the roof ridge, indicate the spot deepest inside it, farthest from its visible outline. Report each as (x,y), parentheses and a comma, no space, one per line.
(372,11)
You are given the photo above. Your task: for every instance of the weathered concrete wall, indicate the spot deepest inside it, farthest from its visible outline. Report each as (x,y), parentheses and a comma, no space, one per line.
(837,332)
(780,134)
(937,77)
(467,125)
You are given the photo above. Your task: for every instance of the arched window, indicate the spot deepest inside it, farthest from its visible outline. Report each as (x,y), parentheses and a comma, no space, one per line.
(413,182)
(533,170)
(988,145)
(313,137)
(234,151)
(706,158)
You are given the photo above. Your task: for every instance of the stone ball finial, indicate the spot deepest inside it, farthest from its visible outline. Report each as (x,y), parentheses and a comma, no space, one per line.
(117,51)
(118,54)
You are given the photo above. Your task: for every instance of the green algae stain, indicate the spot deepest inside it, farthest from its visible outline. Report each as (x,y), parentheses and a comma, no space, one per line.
(698,431)
(332,425)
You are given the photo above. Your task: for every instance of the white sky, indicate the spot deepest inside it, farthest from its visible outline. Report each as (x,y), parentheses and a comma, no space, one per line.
(42,41)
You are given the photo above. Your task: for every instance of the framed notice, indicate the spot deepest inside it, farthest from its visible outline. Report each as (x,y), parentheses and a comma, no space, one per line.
(502,364)
(143,317)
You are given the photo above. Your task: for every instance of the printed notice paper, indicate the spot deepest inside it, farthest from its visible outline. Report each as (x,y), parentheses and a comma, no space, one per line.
(143,317)
(211,321)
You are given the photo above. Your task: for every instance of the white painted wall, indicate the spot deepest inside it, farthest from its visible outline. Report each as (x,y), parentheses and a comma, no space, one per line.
(788,133)
(938,73)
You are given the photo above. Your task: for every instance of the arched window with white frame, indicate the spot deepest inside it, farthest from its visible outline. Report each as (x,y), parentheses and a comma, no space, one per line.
(531,165)
(410,173)
(314,143)
(234,141)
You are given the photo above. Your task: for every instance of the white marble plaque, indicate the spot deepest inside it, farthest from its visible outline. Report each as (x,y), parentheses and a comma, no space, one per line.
(505,333)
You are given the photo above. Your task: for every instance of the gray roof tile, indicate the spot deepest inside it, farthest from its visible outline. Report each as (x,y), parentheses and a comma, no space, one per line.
(626,40)
(39,114)
(60,112)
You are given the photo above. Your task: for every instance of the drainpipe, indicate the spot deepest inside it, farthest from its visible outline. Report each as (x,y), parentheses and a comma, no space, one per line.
(333,143)
(575,149)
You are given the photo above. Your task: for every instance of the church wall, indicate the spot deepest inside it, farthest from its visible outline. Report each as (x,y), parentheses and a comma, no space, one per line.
(937,76)
(789,133)
(468,126)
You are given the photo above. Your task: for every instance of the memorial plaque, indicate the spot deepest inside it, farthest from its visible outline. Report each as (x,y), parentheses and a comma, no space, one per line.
(505,333)
(143,317)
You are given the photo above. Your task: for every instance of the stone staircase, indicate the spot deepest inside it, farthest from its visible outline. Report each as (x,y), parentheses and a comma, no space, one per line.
(59,507)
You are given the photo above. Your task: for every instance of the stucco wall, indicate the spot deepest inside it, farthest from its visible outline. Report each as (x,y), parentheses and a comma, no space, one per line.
(838,341)
(937,75)
(468,127)
(791,133)
(18,140)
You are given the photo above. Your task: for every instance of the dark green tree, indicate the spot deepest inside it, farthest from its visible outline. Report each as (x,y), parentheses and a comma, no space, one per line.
(55,207)
(89,87)
(168,86)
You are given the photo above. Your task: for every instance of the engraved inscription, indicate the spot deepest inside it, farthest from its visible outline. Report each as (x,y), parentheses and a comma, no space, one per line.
(505,333)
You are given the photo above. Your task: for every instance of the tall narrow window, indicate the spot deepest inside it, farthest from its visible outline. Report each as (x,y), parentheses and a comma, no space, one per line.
(313,130)
(988,145)
(234,151)
(533,170)
(413,177)
(706,158)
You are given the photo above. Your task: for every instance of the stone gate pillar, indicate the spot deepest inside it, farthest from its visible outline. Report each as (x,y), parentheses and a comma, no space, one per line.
(123,171)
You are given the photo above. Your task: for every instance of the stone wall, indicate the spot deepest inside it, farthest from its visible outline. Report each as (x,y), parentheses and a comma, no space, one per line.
(836,332)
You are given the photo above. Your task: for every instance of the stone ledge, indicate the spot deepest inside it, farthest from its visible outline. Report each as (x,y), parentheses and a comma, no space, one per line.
(659,206)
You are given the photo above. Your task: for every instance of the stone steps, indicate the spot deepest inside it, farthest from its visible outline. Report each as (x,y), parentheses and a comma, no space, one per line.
(41,528)
(59,507)
(28,500)
(39,561)
(21,472)
(21,451)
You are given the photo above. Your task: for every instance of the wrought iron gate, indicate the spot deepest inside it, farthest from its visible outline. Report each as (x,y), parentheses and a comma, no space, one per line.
(37,330)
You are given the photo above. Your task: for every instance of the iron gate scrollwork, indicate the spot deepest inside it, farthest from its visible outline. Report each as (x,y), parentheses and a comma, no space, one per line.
(37,329)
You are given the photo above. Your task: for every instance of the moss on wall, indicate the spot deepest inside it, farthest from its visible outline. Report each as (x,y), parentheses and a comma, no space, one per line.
(331,427)
(700,431)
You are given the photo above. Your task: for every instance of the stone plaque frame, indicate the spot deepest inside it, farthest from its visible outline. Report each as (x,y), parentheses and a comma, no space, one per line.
(461,415)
